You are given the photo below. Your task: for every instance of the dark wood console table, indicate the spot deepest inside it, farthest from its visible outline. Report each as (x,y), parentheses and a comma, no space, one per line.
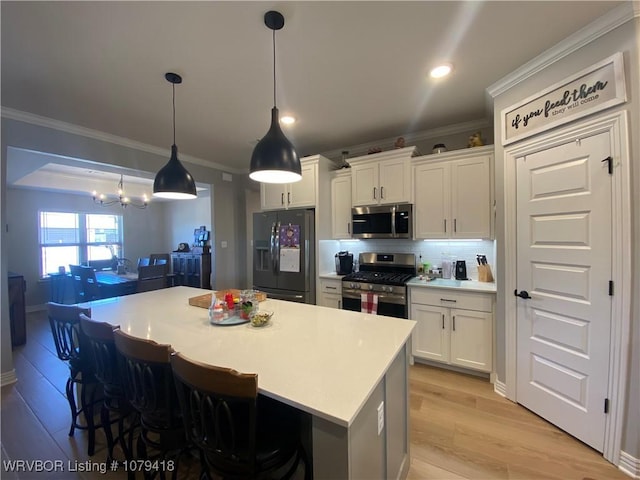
(17,309)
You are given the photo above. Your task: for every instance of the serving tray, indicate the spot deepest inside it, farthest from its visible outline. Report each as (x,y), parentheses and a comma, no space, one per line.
(204,301)
(227,322)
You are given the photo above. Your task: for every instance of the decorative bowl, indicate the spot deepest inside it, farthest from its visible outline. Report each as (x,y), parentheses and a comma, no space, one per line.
(260,318)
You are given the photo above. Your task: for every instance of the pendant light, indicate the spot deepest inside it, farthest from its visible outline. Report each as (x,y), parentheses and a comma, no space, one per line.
(274,160)
(173,180)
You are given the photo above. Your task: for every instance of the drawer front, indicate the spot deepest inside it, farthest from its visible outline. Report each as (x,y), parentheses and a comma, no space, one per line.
(331,286)
(443,297)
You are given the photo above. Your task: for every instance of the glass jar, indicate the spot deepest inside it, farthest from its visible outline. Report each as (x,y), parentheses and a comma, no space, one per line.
(248,303)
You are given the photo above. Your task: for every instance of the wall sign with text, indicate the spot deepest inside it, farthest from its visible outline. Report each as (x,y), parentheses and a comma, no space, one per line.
(598,87)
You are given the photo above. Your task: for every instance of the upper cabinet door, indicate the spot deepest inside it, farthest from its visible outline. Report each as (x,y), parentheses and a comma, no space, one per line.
(395,181)
(432,206)
(272,196)
(303,193)
(276,196)
(454,196)
(341,207)
(365,189)
(471,198)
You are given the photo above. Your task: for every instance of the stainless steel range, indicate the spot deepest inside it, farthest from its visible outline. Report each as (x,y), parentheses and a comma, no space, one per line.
(384,274)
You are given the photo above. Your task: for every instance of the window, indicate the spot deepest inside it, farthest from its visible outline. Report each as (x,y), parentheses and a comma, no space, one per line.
(76,238)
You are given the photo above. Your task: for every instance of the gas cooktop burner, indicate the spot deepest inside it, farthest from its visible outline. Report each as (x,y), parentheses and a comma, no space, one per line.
(385,278)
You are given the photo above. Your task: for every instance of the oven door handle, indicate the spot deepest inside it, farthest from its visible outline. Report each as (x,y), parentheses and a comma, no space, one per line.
(381,297)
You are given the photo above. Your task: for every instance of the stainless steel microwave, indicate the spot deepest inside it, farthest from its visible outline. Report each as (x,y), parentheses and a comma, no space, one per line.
(382,221)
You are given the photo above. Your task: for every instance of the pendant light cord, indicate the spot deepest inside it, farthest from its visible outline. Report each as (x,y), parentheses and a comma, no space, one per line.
(174,113)
(274,69)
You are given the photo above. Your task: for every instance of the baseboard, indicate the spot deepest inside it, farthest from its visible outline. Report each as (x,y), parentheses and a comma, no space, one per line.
(500,388)
(7,378)
(36,308)
(629,465)
(453,368)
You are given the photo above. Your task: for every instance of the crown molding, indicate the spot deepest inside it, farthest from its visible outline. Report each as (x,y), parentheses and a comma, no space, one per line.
(410,138)
(596,29)
(73,129)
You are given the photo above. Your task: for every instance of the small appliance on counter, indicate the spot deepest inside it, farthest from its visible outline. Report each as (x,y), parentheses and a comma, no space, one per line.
(461,270)
(344,263)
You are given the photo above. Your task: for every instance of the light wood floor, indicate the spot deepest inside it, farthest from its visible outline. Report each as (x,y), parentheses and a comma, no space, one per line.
(460,429)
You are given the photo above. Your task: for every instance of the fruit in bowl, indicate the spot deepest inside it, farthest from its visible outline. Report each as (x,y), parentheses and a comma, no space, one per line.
(261,318)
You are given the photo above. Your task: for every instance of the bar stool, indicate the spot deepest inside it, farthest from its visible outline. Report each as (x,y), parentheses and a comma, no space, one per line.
(115,406)
(240,434)
(71,347)
(148,383)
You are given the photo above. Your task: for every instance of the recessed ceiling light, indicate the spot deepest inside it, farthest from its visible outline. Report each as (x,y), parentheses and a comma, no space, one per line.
(441,71)
(287,120)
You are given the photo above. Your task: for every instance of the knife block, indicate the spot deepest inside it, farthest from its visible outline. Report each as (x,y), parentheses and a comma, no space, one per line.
(484,273)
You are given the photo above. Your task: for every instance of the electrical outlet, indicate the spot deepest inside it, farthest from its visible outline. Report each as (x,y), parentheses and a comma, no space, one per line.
(223,244)
(380,417)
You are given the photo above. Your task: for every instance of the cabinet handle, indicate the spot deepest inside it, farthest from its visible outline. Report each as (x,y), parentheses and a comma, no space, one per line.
(381,192)
(349,228)
(445,225)
(374,193)
(282,198)
(447,300)
(331,288)
(454,323)
(339,304)
(288,198)
(455,225)
(443,321)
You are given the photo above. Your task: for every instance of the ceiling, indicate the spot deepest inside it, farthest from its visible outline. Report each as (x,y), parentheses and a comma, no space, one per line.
(350,72)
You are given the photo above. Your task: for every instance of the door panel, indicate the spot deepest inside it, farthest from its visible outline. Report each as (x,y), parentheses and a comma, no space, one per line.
(431,335)
(472,339)
(471,198)
(432,208)
(263,268)
(564,262)
(299,280)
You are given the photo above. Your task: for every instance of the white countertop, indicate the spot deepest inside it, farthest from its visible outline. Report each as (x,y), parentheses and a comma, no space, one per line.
(331,276)
(462,285)
(321,360)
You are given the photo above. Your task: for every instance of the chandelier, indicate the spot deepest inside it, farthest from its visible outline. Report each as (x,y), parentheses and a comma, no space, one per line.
(122,199)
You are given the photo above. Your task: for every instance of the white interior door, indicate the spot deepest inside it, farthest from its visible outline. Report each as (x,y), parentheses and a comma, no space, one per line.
(564,264)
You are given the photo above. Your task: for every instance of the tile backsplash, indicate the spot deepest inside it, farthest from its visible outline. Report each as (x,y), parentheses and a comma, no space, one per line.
(432,251)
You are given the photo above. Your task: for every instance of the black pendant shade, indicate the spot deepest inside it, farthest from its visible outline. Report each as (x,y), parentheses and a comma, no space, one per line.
(173,180)
(274,160)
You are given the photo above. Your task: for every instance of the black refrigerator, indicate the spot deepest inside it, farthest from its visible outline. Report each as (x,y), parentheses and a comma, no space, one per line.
(284,255)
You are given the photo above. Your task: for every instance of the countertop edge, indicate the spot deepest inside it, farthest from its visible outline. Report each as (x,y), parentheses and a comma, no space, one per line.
(465,286)
(331,276)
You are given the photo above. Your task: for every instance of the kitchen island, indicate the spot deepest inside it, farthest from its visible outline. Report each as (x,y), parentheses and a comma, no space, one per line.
(346,371)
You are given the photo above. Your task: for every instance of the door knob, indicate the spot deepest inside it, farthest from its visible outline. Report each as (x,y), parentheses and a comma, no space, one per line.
(523,294)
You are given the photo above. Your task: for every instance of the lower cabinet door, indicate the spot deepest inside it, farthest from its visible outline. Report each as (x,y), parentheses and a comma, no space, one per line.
(331,300)
(471,339)
(431,335)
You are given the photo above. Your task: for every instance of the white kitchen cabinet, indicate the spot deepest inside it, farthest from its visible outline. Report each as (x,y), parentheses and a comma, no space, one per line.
(454,196)
(382,178)
(331,293)
(453,327)
(341,205)
(277,196)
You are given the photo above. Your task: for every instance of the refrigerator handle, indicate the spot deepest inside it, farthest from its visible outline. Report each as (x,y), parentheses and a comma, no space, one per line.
(276,260)
(272,246)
